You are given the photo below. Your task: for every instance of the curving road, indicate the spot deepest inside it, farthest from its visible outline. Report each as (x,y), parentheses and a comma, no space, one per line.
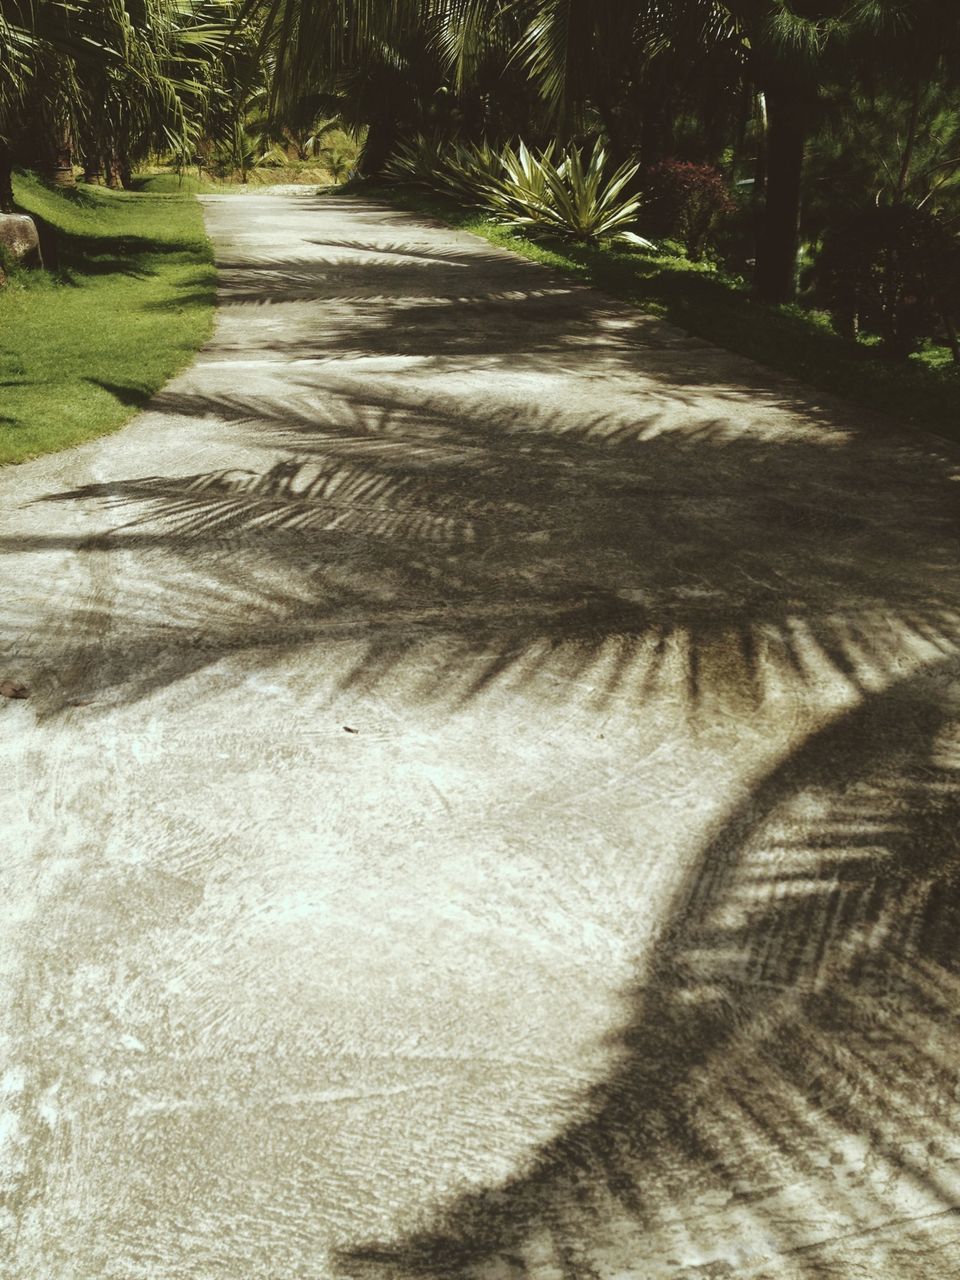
(489,801)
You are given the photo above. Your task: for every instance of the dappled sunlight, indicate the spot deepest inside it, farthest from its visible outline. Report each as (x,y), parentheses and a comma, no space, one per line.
(721,571)
(795,1040)
(652,658)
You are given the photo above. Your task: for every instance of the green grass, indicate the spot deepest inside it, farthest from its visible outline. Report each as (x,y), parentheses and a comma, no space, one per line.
(306,175)
(924,393)
(129,301)
(187,184)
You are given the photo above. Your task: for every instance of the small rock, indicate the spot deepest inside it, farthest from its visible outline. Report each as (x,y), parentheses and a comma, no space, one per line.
(13,689)
(20,239)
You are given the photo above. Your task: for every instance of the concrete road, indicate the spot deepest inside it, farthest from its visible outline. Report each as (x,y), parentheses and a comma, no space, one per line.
(488,804)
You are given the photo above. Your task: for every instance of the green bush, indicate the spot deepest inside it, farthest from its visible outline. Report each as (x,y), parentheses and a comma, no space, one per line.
(569,197)
(459,171)
(892,270)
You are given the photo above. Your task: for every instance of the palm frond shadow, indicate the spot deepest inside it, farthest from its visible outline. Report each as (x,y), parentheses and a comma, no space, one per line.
(608,554)
(447,254)
(787,1087)
(413,297)
(430,292)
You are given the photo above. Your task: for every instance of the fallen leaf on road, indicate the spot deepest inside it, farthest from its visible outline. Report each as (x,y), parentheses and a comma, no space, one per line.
(13,689)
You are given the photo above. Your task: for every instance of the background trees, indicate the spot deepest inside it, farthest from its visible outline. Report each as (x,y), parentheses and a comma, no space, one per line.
(767,134)
(812,110)
(104,82)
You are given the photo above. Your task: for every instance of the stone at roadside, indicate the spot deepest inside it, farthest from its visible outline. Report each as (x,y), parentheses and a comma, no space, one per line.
(19,239)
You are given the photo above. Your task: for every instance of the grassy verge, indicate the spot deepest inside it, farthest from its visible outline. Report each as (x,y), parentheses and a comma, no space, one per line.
(189,184)
(130,300)
(924,393)
(172,184)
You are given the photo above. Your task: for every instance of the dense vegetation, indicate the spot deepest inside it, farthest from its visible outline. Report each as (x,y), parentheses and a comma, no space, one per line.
(802,152)
(103,86)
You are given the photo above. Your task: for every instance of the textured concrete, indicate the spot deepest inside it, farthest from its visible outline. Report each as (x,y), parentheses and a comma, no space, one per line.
(488,804)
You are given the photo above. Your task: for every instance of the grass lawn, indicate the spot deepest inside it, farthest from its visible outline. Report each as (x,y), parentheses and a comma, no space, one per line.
(305,175)
(130,300)
(924,393)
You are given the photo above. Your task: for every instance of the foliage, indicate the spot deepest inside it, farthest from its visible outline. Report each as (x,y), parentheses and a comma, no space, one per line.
(885,146)
(131,302)
(339,153)
(521,191)
(894,270)
(684,202)
(462,171)
(573,199)
(113,79)
(567,196)
(811,111)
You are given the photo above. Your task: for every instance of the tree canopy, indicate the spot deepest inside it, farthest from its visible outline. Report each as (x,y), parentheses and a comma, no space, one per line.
(814,115)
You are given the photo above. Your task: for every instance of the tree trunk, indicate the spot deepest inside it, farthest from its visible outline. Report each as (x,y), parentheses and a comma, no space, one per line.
(111,167)
(619,153)
(653,141)
(93,171)
(62,166)
(906,160)
(779,240)
(6,180)
(381,136)
(846,321)
(953,340)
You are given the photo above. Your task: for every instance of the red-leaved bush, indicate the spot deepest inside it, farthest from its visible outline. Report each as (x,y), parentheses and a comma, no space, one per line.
(684,202)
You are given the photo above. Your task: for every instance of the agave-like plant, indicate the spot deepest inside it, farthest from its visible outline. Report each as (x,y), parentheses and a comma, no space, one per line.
(418,162)
(521,187)
(585,204)
(458,170)
(569,198)
(468,169)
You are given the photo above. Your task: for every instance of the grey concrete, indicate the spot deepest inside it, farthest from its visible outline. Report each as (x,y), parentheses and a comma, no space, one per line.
(488,802)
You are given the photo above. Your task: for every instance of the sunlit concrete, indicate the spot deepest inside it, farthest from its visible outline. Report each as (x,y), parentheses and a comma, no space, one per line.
(488,804)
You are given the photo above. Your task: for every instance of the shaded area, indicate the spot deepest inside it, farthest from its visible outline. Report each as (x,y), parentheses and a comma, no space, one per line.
(720,309)
(795,1042)
(135,397)
(521,545)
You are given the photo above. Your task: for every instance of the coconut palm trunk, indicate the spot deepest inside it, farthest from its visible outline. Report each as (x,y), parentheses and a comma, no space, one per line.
(93,171)
(779,236)
(61,160)
(6,180)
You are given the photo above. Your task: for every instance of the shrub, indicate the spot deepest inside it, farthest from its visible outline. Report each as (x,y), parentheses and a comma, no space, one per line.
(685,202)
(895,271)
(467,170)
(566,197)
(572,199)
(418,162)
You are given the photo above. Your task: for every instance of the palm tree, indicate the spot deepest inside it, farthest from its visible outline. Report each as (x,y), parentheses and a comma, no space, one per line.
(120,78)
(632,61)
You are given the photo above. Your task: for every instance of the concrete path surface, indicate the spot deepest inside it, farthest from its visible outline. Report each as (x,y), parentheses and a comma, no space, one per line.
(489,801)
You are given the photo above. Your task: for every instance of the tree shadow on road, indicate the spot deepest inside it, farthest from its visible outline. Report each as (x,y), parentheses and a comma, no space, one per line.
(469,551)
(716,542)
(788,1082)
